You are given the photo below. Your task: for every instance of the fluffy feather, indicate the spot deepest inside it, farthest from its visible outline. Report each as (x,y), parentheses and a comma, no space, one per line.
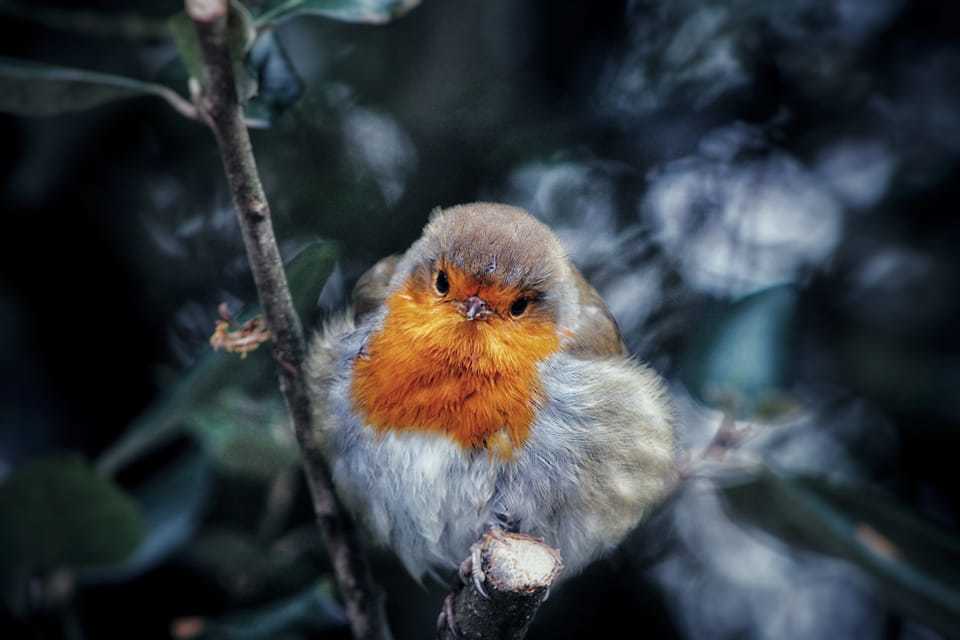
(428,369)
(590,445)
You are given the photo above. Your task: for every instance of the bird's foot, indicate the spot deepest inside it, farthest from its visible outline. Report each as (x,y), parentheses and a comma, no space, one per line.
(446,617)
(471,569)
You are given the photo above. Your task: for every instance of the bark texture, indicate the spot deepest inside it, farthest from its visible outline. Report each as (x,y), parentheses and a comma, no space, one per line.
(220,107)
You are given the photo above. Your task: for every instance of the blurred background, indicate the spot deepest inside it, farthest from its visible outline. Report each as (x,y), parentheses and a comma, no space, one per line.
(764,193)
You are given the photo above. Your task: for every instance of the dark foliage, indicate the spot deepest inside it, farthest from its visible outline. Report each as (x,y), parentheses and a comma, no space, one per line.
(764,192)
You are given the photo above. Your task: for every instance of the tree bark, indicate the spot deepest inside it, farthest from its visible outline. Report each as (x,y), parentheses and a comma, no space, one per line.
(219,105)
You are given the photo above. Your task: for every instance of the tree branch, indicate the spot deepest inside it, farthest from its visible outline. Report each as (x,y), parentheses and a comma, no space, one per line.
(518,571)
(219,106)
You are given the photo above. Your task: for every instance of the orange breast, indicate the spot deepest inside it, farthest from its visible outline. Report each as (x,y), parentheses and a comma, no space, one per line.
(431,370)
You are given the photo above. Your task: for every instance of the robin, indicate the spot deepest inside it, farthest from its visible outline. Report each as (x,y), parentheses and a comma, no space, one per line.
(480,383)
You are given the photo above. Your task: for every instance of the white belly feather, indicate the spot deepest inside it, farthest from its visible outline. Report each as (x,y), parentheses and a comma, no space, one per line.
(600,453)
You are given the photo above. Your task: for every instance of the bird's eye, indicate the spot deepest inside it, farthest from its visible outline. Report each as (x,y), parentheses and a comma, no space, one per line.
(519,307)
(442,284)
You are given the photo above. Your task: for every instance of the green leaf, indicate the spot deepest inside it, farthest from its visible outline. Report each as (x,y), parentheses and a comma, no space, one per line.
(246,568)
(249,437)
(916,566)
(172,500)
(365,11)
(307,272)
(229,560)
(57,512)
(34,89)
(739,359)
(310,612)
(188,44)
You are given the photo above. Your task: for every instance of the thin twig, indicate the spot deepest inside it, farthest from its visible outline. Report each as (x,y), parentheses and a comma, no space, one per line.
(179,103)
(220,107)
(728,437)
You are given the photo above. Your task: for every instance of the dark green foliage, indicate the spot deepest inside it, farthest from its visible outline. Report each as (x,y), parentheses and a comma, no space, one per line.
(266,81)
(309,612)
(733,111)
(250,570)
(57,513)
(173,500)
(199,393)
(32,89)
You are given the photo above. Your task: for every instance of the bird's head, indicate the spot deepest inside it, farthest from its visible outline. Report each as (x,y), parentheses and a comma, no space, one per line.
(486,279)
(474,306)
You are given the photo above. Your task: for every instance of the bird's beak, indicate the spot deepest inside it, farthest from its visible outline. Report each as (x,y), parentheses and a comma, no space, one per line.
(474,308)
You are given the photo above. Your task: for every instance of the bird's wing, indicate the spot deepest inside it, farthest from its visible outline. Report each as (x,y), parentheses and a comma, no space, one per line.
(596,333)
(371,289)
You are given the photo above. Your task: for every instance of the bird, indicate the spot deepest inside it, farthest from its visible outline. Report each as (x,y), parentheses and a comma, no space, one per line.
(479,383)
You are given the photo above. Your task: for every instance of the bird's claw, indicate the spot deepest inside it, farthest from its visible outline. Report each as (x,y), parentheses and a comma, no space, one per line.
(471,569)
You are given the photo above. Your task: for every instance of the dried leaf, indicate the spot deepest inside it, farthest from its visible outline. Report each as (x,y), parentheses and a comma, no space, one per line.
(250,335)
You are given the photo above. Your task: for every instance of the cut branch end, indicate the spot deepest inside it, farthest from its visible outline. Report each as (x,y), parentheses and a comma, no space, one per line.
(518,572)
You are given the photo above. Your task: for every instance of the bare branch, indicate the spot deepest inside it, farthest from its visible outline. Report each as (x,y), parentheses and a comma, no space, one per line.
(179,104)
(221,109)
(518,571)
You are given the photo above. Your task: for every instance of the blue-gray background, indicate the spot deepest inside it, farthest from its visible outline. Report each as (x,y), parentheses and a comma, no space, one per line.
(690,154)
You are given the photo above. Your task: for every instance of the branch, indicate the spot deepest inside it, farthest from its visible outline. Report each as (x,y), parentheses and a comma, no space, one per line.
(180,105)
(518,571)
(221,109)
